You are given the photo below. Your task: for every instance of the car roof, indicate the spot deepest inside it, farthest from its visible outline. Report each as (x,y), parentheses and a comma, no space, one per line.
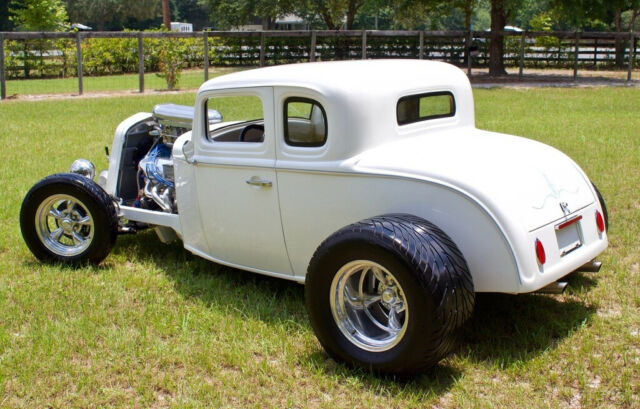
(348,77)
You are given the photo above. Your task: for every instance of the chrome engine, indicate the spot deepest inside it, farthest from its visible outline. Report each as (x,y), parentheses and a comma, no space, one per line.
(155,175)
(147,154)
(156,185)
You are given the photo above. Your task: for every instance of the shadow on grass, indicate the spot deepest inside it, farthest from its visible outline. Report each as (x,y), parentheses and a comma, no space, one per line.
(504,330)
(508,329)
(250,295)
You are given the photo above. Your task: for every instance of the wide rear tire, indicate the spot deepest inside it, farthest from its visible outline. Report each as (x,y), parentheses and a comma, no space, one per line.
(389,294)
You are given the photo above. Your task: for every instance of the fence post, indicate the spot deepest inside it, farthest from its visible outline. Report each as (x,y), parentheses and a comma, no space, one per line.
(364,44)
(79,60)
(3,85)
(421,54)
(140,63)
(632,48)
(595,52)
(575,56)
(468,44)
(312,50)
(205,37)
(262,49)
(521,63)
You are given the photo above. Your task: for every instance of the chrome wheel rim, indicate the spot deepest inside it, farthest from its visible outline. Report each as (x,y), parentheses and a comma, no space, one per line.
(64,225)
(369,306)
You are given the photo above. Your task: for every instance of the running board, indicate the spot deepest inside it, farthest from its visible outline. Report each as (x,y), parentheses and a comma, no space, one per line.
(556,287)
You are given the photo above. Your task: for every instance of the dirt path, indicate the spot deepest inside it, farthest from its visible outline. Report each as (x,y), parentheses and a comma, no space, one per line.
(532,78)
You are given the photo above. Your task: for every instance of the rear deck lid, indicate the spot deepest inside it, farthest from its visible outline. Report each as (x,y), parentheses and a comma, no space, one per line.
(533,182)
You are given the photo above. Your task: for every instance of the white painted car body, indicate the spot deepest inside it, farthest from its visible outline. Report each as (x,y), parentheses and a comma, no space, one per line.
(493,194)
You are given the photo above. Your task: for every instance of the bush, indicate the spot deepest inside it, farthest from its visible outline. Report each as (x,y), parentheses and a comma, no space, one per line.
(171,53)
(40,58)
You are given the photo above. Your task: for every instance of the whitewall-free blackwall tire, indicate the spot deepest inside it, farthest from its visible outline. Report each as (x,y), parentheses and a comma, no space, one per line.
(389,294)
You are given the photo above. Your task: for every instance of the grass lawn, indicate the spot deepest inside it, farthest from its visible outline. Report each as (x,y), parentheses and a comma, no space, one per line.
(190,79)
(157,327)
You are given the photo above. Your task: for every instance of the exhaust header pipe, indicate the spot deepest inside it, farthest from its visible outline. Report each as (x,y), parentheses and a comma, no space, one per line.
(557,287)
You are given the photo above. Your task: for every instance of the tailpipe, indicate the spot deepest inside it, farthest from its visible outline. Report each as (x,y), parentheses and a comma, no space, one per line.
(591,267)
(556,287)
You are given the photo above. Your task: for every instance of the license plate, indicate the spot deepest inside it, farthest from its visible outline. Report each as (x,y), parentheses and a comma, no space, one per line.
(569,238)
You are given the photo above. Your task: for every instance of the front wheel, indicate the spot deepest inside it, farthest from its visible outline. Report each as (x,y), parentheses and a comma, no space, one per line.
(389,294)
(68,218)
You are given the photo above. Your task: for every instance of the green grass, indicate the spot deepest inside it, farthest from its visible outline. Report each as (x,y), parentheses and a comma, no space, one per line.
(190,79)
(157,327)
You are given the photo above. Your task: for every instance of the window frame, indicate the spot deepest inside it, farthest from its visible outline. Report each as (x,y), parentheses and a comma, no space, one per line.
(285,122)
(428,117)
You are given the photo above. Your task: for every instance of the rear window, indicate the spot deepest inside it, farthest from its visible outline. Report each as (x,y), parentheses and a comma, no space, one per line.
(422,107)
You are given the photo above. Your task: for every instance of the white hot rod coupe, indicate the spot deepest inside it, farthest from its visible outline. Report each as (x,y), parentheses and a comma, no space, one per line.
(365,180)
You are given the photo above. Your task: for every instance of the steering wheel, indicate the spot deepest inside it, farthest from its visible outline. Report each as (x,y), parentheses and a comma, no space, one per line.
(252,133)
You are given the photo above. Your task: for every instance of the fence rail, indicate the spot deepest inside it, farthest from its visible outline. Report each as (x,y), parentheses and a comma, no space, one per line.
(464,48)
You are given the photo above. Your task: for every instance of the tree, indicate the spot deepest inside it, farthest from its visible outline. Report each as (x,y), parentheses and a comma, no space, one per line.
(501,11)
(192,11)
(112,12)
(496,44)
(582,12)
(5,23)
(166,14)
(235,13)
(38,15)
(334,13)
(466,6)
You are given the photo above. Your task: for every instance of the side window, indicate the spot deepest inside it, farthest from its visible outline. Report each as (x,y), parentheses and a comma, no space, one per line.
(422,107)
(234,119)
(305,122)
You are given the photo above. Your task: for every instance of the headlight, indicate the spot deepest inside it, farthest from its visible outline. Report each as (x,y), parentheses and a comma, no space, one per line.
(83,167)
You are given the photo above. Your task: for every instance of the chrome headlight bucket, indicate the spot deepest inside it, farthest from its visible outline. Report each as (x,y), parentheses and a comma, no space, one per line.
(83,167)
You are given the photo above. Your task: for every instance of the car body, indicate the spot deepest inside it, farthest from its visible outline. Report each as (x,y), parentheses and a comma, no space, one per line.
(376,138)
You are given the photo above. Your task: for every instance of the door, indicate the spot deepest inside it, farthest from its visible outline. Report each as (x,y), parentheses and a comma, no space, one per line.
(236,184)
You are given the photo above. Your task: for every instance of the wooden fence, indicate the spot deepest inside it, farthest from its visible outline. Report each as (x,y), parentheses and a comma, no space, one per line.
(463,48)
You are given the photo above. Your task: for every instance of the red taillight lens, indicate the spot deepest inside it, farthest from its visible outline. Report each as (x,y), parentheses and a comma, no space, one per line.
(599,221)
(542,257)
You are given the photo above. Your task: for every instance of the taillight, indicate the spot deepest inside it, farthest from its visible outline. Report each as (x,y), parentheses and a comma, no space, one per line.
(599,221)
(542,257)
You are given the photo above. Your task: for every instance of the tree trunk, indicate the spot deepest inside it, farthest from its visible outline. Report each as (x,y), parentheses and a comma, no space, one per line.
(467,26)
(352,9)
(468,8)
(617,20)
(496,46)
(101,21)
(166,14)
(268,23)
(328,20)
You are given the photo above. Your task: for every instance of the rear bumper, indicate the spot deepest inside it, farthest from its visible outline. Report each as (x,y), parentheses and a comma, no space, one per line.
(562,256)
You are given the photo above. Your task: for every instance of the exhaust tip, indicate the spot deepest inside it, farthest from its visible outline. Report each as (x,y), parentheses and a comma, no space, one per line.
(557,287)
(591,267)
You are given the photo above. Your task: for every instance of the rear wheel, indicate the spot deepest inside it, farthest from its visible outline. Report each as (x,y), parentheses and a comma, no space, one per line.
(389,294)
(68,218)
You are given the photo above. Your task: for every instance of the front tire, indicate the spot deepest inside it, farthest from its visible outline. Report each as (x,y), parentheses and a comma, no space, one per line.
(389,294)
(68,218)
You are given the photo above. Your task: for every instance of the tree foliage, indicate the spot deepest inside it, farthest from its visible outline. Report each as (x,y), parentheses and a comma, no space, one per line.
(226,14)
(38,15)
(112,12)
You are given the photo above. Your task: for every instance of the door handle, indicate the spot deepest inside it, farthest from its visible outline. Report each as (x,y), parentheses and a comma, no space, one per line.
(257,181)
